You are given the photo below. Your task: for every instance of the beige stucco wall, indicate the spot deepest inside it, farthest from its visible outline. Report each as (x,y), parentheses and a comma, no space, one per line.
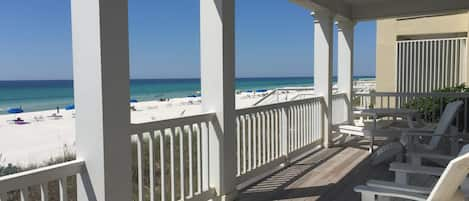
(388,30)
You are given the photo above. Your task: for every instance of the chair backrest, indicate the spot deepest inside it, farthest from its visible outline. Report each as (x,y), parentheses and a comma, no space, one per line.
(446,118)
(447,187)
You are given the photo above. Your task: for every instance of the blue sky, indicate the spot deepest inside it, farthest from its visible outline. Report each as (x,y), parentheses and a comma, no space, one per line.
(274,39)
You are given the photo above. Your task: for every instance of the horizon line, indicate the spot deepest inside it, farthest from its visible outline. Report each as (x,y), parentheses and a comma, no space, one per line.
(182,78)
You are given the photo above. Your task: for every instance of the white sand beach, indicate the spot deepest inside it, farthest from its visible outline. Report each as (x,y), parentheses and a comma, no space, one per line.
(45,137)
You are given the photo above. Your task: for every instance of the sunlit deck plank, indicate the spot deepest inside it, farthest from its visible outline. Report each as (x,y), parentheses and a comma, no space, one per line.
(329,174)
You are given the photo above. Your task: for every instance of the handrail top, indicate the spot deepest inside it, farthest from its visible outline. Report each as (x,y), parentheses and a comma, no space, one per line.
(283,89)
(40,175)
(463,94)
(169,123)
(275,105)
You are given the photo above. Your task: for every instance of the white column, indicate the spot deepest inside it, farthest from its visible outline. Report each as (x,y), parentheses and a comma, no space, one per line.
(323,57)
(218,89)
(345,61)
(101,84)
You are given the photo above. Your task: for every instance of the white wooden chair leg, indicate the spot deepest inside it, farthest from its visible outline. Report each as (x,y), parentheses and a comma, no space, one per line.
(368,196)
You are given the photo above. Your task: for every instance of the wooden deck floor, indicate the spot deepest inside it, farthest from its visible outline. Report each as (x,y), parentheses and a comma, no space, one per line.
(327,175)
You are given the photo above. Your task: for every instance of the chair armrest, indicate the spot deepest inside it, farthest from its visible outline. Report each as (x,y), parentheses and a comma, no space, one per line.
(389,193)
(420,134)
(416,169)
(431,156)
(418,130)
(399,187)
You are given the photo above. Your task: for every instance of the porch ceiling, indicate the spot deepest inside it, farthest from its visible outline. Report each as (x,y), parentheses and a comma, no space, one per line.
(360,10)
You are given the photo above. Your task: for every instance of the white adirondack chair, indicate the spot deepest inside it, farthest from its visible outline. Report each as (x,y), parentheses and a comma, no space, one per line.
(404,170)
(410,137)
(446,189)
(412,147)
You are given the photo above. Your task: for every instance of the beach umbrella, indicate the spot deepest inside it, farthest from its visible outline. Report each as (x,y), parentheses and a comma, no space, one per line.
(133,101)
(70,107)
(15,110)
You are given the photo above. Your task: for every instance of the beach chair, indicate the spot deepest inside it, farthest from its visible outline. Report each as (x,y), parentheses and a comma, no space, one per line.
(38,118)
(414,139)
(446,189)
(55,116)
(404,170)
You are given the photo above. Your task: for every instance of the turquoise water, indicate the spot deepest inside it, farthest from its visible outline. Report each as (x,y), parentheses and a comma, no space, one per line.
(49,94)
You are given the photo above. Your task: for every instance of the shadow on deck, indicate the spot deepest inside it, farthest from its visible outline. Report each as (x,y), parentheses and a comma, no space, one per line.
(326,175)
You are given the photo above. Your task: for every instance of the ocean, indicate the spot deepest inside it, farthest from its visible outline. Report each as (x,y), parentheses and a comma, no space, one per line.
(48,94)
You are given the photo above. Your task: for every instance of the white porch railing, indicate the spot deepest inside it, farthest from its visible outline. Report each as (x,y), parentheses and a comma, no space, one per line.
(35,184)
(172,159)
(431,105)
(273,134)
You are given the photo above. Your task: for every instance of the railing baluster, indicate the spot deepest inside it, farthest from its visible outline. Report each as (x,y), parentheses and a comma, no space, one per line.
(151,165)
(199,157)
(389,97)
(190,152)
(305,124)
(293,129)
(310,123)
(181,162)
(264,142)
(24,194)
(140,167)
(250,152)
(286,130)
(63,189)
(259,139)
(316,112)
(162,163)
(268,133)
(243,132)
(205,156)
(301,125)
(298,127)
(44,190)
(274,134)
(172,169)
(255,146)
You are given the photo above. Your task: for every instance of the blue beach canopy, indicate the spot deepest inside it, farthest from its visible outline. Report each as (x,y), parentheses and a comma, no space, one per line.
(70,107)
(192,96)
(133,101)
(15,110)
(261,90)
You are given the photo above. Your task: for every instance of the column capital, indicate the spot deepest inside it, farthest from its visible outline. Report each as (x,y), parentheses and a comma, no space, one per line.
(345,24)
(321,14)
